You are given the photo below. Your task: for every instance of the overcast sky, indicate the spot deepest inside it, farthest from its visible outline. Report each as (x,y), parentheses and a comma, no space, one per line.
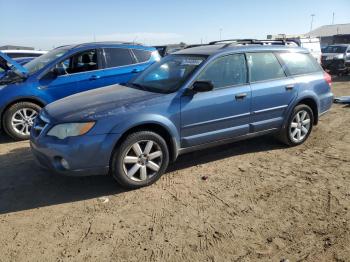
(45,24)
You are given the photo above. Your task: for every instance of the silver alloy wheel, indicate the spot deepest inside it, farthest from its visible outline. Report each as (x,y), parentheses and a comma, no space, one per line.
(142,160)
(22,120)
(300,126)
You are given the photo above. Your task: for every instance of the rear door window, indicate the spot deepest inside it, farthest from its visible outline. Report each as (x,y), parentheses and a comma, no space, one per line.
(117,57)
(225,71)
(298,63)
(142,55)
(264,66)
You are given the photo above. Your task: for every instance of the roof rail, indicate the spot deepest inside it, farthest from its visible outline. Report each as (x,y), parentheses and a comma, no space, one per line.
(232,41)
(109,42)
(254,42)
(280,42)
(195,45)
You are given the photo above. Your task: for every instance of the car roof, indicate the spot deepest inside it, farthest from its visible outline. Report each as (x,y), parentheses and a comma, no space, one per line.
(222,48)
(22,51)
(109,44)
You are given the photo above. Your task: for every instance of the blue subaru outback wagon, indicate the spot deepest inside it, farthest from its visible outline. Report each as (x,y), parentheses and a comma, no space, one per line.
(62,72)
(192,99)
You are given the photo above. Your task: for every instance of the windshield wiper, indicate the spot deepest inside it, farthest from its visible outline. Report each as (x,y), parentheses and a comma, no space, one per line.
(138,85)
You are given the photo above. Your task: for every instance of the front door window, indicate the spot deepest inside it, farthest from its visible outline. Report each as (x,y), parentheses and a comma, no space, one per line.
(81,62)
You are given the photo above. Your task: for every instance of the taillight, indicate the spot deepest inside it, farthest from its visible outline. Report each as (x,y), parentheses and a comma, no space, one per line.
(327,78)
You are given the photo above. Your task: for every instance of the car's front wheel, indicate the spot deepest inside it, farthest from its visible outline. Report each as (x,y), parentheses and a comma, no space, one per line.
(299,126)
(19,118)
(140,160)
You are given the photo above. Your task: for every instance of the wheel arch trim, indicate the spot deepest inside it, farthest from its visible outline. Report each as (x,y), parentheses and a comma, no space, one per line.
(173,136)
(299,100)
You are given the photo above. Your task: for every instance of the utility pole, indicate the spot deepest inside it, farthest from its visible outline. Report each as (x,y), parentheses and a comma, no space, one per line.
(312,21)
(333,19)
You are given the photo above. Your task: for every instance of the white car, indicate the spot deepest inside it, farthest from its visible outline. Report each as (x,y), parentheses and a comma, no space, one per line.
(313,45)
(23,53)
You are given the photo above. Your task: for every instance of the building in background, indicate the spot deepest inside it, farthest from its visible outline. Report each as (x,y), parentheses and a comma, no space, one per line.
(332,34)
(328,34)
(15,47)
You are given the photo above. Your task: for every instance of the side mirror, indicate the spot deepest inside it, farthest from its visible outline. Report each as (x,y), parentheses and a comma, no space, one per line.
(52,74)
(202,86)
(57,71)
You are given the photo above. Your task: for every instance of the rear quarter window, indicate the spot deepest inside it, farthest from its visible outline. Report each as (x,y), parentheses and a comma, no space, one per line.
(299,63)
(142,55)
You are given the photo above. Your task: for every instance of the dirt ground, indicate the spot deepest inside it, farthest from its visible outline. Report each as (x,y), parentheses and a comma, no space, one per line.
(261,202)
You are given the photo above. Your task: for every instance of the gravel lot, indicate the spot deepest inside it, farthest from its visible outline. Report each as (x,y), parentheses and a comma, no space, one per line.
(261,201)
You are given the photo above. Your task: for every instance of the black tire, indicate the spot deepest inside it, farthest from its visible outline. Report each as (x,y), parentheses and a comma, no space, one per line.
(7,119)
(285,134)
(118,169)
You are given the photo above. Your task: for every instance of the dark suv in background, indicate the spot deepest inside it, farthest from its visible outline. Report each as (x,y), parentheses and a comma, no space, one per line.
(336,58)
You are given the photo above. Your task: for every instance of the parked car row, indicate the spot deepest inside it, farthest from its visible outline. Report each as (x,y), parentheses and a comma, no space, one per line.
(16,53)
(23,56)
(189,100)
(66,70)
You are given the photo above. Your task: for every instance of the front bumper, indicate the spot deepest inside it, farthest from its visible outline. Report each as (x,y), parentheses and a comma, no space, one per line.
(333,65)
(85,155)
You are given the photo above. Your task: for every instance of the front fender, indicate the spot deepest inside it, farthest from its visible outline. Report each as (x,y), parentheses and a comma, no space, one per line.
(12,94)
(143,119)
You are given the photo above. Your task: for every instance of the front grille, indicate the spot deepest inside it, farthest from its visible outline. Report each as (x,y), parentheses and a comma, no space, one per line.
(40,124)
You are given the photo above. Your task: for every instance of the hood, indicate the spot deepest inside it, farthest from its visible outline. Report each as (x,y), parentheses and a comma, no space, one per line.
(100,102)
(6,63)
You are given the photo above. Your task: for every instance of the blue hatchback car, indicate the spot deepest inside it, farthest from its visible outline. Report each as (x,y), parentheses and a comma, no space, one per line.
(192,99)
(66,70)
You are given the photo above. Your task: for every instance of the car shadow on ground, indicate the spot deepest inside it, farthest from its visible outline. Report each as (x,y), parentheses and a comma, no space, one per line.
(4,139)
(24,186)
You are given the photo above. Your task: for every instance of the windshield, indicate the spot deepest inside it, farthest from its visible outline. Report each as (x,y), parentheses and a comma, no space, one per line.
(169,74)
(335,49)
(41,61)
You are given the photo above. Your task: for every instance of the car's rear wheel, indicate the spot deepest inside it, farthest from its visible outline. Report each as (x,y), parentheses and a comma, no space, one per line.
(19,118)
(140,160)
(299,126)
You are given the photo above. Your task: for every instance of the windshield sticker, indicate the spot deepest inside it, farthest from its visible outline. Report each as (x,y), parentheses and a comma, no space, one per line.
(191,62)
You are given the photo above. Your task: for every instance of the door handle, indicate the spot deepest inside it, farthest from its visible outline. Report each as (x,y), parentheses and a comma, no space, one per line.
(94,77)
(240,96)
(289,87)
(134,71)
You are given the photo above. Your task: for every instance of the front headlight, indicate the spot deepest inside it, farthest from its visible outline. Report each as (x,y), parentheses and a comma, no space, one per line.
(62,131)
(340,56)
